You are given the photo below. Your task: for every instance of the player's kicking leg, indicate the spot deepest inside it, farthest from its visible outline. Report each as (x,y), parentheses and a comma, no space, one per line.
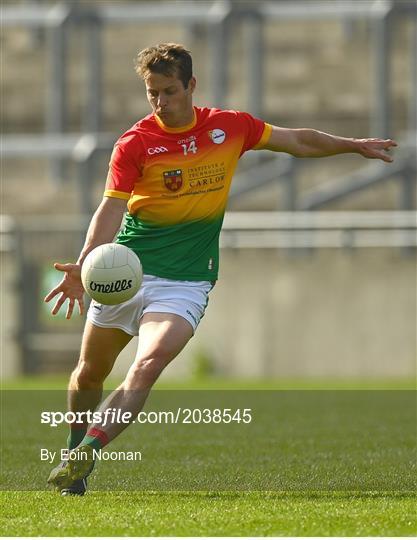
(161,337)
(99,350)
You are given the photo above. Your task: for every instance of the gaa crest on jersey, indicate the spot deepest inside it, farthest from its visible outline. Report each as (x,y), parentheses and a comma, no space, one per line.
(173,179)
(217,136)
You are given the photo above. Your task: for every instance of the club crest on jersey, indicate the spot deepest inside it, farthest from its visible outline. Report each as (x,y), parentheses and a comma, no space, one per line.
(173,179)
(217,136)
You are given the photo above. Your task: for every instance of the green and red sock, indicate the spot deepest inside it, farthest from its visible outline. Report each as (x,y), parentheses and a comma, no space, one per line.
(76,434)
(96,438)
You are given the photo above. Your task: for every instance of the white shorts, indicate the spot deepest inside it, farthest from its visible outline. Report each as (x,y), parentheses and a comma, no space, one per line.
(156,295)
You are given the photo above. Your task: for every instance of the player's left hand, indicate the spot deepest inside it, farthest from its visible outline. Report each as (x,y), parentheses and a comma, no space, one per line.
(376,148)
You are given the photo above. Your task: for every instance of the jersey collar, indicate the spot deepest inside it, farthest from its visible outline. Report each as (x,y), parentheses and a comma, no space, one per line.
(177,129)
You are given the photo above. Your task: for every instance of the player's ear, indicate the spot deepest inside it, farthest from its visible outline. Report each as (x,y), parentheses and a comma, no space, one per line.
(192,84)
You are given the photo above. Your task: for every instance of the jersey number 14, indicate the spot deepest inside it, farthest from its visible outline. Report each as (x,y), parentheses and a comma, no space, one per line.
(191,147)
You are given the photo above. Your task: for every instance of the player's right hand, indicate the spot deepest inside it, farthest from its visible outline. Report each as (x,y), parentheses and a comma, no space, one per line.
(70,288)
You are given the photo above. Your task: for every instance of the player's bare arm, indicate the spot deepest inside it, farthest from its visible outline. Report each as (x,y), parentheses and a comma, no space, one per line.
(102,229)
(306,142)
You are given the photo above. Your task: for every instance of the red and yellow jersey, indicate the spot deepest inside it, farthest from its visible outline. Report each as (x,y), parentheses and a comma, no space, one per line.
(176,182)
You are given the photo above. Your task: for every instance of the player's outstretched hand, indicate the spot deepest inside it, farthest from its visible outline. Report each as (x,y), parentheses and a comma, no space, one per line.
(70,287)
(376,148)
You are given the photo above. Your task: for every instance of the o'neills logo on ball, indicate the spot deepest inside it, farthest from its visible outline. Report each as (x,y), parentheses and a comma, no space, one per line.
(115,286)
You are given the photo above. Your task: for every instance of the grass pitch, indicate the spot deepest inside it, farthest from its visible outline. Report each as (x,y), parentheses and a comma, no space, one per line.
(292,512)
(206,514)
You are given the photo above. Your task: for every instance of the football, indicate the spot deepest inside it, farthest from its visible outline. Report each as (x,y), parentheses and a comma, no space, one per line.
(111,274)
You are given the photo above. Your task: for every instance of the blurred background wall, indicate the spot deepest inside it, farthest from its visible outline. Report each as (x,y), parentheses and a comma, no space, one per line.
(295,307)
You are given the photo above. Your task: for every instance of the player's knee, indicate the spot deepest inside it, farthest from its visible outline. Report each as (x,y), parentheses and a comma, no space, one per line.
(145,371)
(86,377)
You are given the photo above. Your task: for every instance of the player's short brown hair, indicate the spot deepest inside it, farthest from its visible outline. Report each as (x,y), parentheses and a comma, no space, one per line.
(168,59)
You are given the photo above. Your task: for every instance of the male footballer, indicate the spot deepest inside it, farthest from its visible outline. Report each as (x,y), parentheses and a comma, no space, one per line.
(172,172)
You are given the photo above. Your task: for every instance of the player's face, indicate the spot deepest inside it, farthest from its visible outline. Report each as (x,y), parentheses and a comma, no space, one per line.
(169,99)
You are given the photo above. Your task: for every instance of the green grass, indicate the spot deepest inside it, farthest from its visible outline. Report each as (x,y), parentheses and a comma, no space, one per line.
(206,514)
(59,382)
(364,451)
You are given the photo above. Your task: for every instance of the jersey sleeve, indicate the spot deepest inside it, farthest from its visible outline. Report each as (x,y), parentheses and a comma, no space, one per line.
(256,132)
(124,172)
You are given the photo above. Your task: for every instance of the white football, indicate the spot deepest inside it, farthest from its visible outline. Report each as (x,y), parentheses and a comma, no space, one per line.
(111,274)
